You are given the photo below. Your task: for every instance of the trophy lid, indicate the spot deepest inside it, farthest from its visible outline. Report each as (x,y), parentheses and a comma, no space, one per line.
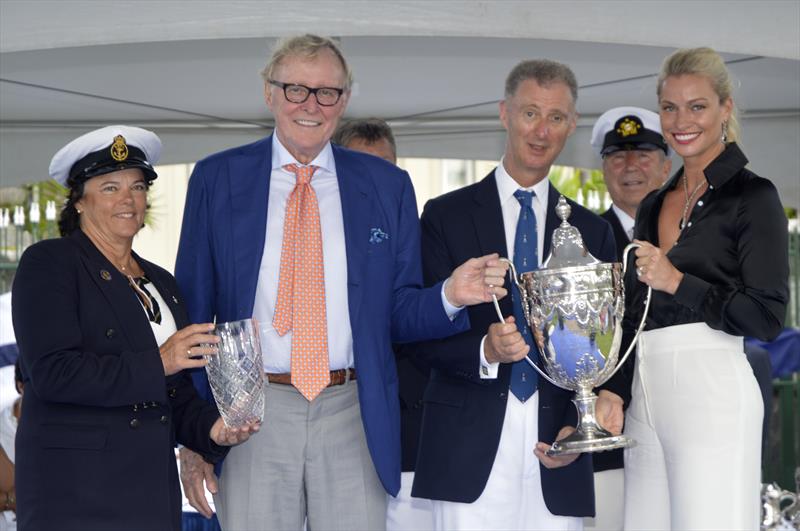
(568,249)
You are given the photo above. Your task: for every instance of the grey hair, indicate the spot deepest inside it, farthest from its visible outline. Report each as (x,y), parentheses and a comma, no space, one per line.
(307,46)
(545,72)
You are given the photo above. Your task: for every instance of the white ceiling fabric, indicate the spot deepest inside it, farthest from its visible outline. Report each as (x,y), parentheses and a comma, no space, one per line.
(189,69)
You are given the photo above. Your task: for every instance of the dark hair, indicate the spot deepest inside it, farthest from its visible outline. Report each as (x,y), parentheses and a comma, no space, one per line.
(70,220)
(545,72)
(370,130)
(17,376)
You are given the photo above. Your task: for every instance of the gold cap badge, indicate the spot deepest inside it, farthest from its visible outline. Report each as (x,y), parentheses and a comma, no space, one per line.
(628,127)
(119,149)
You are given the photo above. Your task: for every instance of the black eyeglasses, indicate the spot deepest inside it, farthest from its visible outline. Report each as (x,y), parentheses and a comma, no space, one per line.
(326,96)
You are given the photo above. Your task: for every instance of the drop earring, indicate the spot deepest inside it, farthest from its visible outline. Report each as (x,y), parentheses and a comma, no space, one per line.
(724,132)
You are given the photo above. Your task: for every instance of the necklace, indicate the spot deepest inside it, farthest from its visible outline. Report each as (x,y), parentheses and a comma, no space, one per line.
(689,198)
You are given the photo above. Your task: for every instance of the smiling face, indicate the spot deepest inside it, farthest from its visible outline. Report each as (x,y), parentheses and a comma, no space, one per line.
(305,128)
(630,175)
(113,206)
(692,117)
(538,120)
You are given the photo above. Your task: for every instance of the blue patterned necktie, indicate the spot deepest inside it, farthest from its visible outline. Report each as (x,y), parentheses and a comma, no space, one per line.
(526,258)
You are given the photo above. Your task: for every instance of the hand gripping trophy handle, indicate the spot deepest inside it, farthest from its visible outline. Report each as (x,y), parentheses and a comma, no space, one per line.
(639,328)
(589,435)
(515,279)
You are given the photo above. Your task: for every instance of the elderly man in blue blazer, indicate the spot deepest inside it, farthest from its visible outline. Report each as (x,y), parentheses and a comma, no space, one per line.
(487,418)
(331,269)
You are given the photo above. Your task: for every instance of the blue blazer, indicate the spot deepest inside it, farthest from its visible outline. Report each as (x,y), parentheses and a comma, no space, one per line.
(95,444)
(463,414)
(223,240)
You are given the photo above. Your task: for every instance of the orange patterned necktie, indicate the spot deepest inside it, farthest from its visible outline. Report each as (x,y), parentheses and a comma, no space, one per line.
(301,288)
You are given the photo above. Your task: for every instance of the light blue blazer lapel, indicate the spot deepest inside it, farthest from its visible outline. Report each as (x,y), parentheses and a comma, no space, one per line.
(355,191)
(249,175)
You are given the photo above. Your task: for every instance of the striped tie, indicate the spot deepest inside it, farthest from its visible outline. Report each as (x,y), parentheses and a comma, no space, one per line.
(301,290)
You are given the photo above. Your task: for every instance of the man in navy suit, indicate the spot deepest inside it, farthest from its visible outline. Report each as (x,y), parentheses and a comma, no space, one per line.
(374,136)
(327,458)
(487,422)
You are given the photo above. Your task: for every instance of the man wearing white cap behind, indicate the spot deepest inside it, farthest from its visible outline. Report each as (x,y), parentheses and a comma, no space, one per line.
(635,163)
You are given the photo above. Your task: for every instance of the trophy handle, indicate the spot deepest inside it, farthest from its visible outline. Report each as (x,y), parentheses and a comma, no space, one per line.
(513,271)
(621,362)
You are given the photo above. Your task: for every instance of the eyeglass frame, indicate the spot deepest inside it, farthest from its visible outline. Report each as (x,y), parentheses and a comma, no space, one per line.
(310,91)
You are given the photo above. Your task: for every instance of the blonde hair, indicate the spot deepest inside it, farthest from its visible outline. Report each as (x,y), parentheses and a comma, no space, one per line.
(703,62)
(307,46)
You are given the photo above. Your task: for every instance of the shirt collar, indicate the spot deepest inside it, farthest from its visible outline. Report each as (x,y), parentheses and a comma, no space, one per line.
(719,171)
(506,185)
(726,165)
(281,156)
(624,219)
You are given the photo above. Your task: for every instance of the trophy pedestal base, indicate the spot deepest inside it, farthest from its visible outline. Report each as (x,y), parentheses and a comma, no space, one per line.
(598,441)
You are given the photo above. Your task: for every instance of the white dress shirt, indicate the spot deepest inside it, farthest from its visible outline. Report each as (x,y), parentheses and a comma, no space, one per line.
(625,220)
(506,186)
(277,350)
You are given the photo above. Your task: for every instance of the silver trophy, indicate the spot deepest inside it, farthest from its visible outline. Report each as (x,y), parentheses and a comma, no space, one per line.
(780,509)
(574,305)
(236,373)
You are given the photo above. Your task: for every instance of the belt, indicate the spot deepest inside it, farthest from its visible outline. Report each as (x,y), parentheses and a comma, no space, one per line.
(338,377)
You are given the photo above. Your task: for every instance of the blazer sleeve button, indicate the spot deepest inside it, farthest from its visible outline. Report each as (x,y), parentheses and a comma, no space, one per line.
(163,419)
(134,424)
(110,333)
(173,393)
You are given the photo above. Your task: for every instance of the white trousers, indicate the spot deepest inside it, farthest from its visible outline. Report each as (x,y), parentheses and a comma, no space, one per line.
(513,496)
(609,501)
(696,416)
(405,513)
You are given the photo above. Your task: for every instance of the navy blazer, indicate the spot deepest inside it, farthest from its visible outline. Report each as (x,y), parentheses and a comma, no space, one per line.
(463,415)
(620,236)
(95,444)
(223,241)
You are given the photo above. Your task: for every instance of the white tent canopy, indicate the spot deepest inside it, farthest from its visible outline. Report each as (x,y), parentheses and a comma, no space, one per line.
(189,70)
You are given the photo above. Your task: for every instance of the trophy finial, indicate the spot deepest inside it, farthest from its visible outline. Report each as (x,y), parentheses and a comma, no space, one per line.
(563,210)
(568,248)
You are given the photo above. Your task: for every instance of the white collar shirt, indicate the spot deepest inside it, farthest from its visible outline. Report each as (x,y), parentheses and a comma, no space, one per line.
(510,207)
(277,349)
(506,186)
(625,220)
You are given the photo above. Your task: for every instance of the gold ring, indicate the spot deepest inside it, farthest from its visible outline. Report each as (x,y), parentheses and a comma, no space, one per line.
(189,351)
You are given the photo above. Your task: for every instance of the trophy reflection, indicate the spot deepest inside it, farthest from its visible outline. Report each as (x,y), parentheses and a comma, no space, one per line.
(574,305)
(236,373)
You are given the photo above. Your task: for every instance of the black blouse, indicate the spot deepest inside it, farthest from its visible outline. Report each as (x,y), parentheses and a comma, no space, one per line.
(733,253)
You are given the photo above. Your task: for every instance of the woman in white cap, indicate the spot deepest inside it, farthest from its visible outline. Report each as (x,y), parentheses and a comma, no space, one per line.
(715,252)
(103,338)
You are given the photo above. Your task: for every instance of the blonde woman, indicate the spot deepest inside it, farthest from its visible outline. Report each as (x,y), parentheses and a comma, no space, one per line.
(715,252)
